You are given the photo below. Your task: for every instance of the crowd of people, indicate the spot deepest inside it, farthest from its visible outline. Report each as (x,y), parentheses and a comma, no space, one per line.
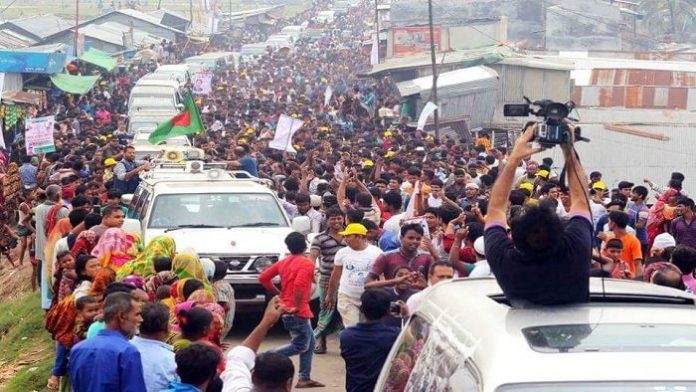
(393,211)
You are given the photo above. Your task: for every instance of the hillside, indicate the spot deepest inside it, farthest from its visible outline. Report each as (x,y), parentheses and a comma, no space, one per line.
(26,351)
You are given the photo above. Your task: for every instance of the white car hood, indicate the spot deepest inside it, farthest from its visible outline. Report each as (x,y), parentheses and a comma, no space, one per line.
(224,241)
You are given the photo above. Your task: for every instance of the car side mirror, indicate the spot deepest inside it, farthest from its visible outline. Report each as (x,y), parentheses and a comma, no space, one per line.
(301,224)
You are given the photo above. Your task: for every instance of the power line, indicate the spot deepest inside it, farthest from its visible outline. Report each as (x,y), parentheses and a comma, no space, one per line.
(8,6)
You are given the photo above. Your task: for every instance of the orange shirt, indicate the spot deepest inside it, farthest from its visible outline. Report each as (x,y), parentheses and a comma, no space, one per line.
(631,250)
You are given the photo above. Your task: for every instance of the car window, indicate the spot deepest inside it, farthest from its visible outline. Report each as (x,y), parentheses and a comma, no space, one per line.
(429,359)
(217,209)
(143,208)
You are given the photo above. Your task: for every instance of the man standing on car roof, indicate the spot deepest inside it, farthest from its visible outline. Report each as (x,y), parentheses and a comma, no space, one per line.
(545,262)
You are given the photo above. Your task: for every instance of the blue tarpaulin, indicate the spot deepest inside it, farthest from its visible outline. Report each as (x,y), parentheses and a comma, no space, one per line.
(28,61)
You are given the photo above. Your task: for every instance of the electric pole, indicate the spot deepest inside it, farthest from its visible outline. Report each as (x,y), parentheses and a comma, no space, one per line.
(77,27)
(377,28)
(191,11)
(434,65)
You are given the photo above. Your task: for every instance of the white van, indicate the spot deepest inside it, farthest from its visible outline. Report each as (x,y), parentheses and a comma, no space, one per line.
(253,50)
(154,91)
(178,72)
(296,32)
(146,122)
(280,41)
(237,221)
(465,336)
(326,16)
(152,104)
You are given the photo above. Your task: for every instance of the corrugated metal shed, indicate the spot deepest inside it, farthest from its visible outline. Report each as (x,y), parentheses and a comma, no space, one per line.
(38,27)
(469,92)
(12,40)
(476,56)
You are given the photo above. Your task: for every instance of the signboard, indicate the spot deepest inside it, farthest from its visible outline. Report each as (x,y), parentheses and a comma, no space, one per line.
(202,83)
(28,62)
(414,40)
(39,135)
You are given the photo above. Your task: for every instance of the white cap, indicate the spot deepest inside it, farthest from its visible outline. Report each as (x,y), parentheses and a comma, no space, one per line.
(315,200)
(471,185)
(664,240)
(479,246)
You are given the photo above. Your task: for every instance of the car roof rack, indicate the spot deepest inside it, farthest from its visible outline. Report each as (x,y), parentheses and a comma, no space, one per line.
(621,298)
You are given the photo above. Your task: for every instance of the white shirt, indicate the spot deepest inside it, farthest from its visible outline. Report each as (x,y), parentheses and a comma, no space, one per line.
(237,374)
(434,202)
(598,211)
(356,265)
(393,224)
(481,270)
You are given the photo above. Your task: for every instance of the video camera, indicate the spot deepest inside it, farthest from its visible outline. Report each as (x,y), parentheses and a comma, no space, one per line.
(552,130)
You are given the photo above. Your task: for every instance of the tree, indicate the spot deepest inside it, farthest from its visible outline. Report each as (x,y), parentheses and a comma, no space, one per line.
(670,17)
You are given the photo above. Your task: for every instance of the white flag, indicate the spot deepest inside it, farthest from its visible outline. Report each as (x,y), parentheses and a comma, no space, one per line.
(374,55)
(286,128)
(428,109)
(327,95)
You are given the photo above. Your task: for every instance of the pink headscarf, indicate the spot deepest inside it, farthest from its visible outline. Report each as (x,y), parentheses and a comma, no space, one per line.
(112,248)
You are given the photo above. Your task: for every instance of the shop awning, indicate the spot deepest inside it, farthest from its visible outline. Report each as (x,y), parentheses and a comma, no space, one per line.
(74,84)
(99,58)
(22,97)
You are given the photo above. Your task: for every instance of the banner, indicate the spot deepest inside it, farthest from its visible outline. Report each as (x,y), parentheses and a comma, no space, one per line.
(327,96)
(425,113)
(31,62)
(38,135)
(202,83)
(287,126)
(414,40)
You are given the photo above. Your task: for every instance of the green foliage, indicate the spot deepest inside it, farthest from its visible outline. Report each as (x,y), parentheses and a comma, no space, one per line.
(673,18)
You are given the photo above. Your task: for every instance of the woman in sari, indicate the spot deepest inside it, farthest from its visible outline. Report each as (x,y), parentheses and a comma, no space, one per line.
(187,265)
(60,230)
(659,214)
(85,243)
(143,265)
(115,248)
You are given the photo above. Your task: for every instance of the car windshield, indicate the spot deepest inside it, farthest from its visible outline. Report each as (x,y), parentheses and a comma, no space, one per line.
(626,337)
(216,209)
(643,386)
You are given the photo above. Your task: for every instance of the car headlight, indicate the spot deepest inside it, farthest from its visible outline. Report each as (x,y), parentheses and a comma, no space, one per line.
(264,262)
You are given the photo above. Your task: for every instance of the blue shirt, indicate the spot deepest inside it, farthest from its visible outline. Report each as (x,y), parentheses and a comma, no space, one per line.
(364,348)
(389,241)
(181,387)
(248,164)
(158,362)
(106,363)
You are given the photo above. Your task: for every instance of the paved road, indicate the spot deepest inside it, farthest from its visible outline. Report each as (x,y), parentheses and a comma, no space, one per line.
(328,368)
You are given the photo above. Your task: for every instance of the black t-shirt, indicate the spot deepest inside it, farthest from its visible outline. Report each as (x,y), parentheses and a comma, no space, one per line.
(559,279)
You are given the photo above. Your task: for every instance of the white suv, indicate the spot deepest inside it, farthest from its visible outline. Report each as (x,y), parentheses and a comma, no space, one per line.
(238,221)
(631,337)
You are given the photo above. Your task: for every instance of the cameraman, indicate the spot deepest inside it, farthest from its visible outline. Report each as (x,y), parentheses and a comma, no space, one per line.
(545,262)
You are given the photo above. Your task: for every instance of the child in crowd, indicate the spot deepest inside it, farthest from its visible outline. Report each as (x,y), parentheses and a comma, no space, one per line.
(65,278)
(225,296)
(608,264)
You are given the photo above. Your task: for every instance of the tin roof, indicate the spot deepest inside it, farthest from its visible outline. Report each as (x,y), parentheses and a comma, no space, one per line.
(41,26)
(13,40)
(454,78)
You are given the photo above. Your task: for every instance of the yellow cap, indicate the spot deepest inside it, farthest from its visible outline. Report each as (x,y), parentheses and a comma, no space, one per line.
(599,185)
(323,129)
(109,162)
(250,131)
(388,133)
(354,229)
(368,163)
(389,154)
(543,173)
(526,185)
(242,141)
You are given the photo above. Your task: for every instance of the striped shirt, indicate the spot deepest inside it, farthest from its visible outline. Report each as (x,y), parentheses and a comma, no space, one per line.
(327,247)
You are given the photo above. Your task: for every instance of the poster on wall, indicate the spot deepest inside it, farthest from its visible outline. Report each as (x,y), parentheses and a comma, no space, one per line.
(414,40)
(38,135)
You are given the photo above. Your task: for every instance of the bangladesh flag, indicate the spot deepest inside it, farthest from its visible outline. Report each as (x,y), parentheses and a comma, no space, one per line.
(187,122)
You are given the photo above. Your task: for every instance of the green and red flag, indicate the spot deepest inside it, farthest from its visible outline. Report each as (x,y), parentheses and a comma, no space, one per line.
(187,122)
